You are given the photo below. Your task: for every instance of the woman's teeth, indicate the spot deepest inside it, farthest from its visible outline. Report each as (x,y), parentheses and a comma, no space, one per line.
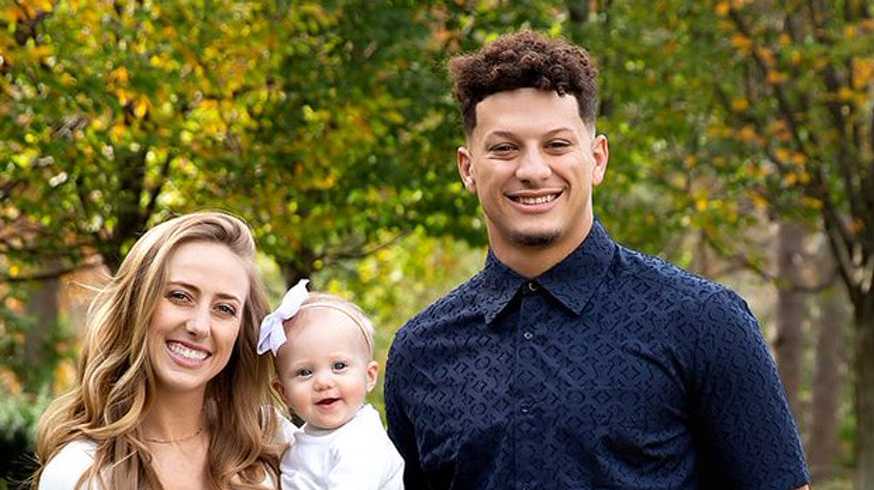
(195,355)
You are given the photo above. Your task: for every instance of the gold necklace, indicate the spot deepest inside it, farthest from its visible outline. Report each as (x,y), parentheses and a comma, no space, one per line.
(169,441)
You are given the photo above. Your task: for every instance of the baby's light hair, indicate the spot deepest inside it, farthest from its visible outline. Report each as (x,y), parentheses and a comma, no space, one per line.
(348,308)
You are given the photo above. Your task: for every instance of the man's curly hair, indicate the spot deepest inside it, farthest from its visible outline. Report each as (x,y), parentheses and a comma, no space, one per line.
(521,60)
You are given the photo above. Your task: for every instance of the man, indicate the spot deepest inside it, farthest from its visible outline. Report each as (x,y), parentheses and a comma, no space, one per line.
(570,361)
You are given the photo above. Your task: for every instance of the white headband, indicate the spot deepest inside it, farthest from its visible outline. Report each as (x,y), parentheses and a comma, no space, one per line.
(272,334)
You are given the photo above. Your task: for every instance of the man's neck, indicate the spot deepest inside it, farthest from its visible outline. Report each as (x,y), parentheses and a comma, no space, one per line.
(532,261)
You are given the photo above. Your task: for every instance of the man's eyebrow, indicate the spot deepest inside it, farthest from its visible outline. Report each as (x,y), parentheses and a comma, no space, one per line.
(559,130)
(500,134)
(511,135)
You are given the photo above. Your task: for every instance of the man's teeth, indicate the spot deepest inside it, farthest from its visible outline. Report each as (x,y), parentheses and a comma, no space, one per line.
(195,355)
(536,200)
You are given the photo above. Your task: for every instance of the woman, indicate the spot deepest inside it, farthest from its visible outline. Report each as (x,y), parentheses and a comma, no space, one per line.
(170,388)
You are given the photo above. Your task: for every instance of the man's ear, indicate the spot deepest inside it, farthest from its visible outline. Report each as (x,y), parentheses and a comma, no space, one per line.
(465,169)
(372,374)
(600,156)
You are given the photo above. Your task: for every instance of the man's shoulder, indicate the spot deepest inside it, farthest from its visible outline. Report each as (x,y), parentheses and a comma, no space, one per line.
(677,291)
(457,304)
(654,274)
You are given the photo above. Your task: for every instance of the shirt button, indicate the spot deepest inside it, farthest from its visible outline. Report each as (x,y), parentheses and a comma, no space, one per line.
(525,410)
(528,335)
(532,287)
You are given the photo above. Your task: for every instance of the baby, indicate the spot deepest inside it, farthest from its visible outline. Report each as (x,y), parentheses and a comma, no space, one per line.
(323,353)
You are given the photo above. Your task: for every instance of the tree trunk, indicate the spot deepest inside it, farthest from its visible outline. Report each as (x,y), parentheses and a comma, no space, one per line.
(791,311)
(828,381)
(42,306)
(864,396)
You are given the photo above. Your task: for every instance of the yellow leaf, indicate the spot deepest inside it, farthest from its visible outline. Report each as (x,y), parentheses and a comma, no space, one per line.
(117,132)
(119,75)
(784,39)
(123,96)
(141,106)
(783,155)
(804,177)
(739,104)
(767,55)
(700,199)
(741,42)
(799,158)
(722,9)
(811,202)
(748,134)
(776,77)
(863,72)
(790,179)
(64,375)
(9,381)
(850,31)
(758,201)
(845,94)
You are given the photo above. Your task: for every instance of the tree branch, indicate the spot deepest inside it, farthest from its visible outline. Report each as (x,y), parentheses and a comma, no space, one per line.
(49,274)
(357,253)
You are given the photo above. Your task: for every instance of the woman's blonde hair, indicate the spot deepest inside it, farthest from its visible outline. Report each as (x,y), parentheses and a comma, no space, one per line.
(115,382)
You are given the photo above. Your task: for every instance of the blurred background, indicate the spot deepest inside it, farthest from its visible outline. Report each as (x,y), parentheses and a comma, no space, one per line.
(742,148)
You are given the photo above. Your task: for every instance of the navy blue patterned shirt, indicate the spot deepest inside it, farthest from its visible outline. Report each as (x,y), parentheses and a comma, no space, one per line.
(612,370)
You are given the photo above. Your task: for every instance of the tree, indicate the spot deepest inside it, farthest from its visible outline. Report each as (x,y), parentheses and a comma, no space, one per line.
(785,120)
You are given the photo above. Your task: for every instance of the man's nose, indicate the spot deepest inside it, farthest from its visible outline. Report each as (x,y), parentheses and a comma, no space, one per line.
(533,166)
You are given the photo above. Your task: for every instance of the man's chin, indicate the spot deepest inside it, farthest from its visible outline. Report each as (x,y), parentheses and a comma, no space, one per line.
(534,239)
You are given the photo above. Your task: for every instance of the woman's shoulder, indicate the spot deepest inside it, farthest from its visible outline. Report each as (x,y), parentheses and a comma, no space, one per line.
(63,471)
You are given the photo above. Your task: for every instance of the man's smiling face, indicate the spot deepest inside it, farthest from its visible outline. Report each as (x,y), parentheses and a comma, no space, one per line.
(532,162)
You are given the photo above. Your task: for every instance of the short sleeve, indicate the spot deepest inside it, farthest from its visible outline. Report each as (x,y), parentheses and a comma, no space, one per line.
(748,438)
(65,469)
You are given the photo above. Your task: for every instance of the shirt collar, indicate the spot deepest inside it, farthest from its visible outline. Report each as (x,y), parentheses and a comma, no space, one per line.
(572,281)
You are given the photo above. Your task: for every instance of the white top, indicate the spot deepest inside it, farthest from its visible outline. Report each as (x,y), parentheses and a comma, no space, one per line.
(64,470)
(356,456)
(74,459)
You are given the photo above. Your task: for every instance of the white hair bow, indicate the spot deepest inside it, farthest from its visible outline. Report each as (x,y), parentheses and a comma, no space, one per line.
(272,335)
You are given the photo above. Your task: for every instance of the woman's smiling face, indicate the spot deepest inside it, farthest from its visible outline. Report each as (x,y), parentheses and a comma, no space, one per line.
(195,325)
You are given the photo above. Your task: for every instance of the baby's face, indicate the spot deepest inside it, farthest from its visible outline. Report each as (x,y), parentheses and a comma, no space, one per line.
(325,369)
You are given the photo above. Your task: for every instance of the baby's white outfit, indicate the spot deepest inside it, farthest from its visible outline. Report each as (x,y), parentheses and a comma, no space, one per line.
(355,456)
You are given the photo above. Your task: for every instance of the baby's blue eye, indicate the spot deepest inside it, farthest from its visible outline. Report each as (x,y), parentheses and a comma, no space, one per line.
(340,365)
(303,372)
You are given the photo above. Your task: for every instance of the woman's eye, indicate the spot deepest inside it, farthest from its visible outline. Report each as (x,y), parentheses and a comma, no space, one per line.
(178,296)
(227,310)
(340,365)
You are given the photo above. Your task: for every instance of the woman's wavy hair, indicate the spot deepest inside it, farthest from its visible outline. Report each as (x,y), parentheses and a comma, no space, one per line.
(525,59)
(115,383)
